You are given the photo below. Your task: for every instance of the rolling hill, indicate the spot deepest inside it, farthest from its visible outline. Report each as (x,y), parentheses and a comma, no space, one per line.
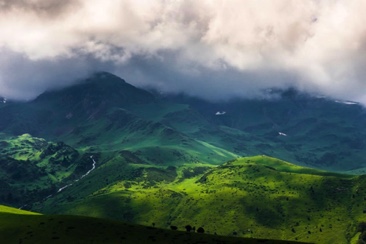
(258,197)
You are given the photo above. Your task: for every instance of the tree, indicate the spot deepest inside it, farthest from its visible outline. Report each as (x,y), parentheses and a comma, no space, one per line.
(200,230)
(188,228)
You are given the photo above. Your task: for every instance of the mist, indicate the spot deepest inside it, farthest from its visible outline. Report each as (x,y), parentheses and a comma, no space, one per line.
(212,49)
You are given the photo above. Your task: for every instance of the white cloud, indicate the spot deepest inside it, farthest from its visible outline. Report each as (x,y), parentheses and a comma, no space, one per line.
(315,45)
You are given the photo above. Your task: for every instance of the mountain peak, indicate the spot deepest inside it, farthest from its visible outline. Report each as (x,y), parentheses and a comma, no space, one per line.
(104,76)
(101,87)
(90,99)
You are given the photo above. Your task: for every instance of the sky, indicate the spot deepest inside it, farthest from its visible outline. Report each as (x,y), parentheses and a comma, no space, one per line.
(215,49)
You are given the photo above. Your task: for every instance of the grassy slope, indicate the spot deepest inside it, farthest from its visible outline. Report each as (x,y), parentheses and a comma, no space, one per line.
(156,143)
(31,168)
(17,226)
(320,133)
(257,197)
(331,134)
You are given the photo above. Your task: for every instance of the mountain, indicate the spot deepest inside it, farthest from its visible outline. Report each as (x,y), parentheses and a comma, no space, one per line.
(104,113)
(303,129)
(99,113)
(105,148)
(47,143)
(57,113)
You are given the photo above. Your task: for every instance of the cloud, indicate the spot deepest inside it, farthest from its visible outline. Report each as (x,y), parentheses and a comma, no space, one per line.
(213,49)
(43,7)
(22,78)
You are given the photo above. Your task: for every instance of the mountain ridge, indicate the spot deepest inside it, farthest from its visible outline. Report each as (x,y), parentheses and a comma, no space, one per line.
(296,127)
(169,160)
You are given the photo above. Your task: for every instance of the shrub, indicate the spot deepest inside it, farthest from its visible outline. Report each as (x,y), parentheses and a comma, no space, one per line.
(188,228)
(200,230)
(361,227)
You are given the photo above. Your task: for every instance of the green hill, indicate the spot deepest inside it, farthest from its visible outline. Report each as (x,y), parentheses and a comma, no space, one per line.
(258,197)
(32,168)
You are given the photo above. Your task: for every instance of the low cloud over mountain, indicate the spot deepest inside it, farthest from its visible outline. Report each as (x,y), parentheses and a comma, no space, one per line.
(214,49)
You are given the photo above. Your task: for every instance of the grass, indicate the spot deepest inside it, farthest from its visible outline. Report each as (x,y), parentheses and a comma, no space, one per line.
(259,197)
(280,165)
(32,168)
(26,227)
(10,210)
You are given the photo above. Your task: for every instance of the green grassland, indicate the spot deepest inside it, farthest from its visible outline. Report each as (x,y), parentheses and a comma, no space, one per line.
(32,168)
(258,197)
(17,226)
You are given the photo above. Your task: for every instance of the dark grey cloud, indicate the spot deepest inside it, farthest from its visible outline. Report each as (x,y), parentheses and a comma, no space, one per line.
(45,8)
(24,79)
(167,75)
(214,49)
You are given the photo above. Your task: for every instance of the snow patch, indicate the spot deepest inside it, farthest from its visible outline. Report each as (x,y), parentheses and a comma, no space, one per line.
(346,102)
(69,116)
(220,113)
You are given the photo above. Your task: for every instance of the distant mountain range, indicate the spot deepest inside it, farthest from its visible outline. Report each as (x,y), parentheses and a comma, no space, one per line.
(106,113)
(104,137)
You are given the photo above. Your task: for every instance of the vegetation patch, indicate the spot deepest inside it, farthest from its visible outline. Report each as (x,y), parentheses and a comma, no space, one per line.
(259,197)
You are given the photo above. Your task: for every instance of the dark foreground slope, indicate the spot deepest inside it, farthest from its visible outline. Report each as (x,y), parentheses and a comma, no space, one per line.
(258,197)
(26,227)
